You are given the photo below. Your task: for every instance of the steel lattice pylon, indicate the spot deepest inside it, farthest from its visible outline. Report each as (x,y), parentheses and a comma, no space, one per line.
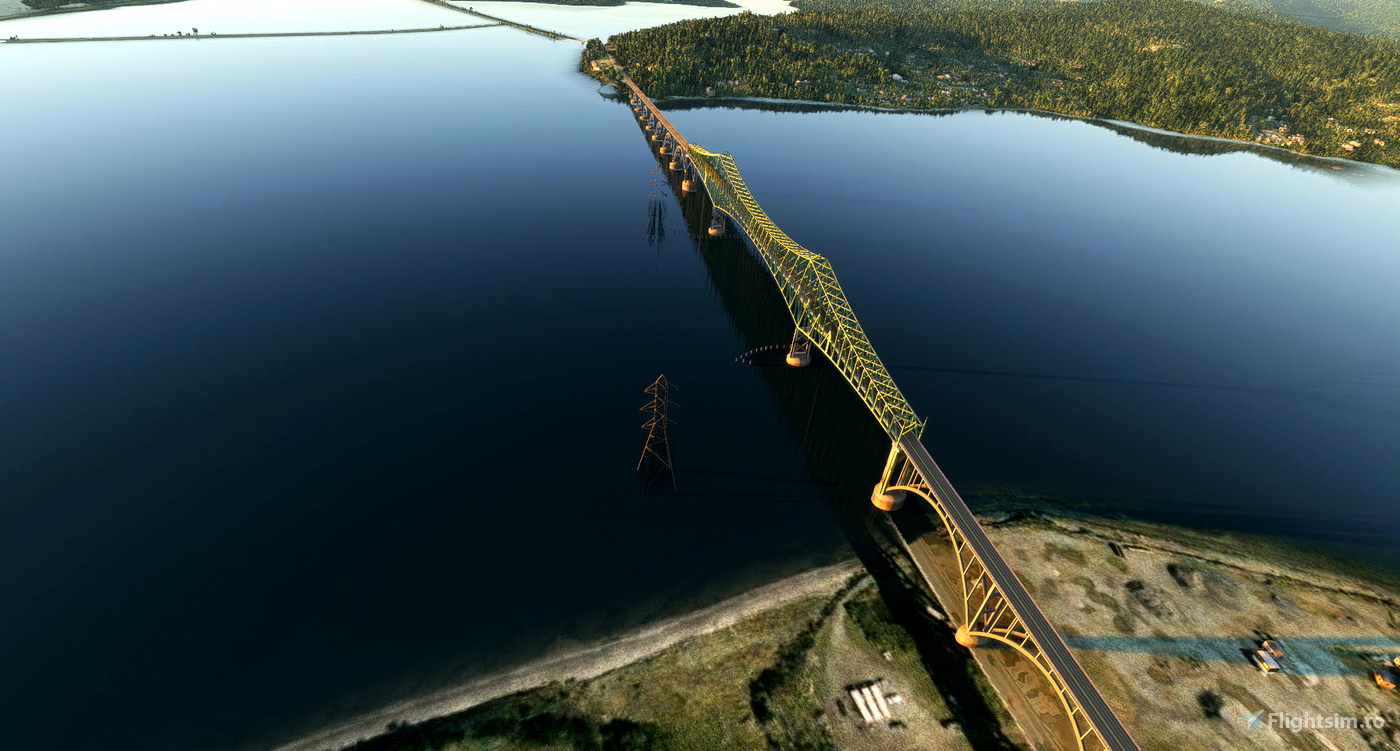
(658,443)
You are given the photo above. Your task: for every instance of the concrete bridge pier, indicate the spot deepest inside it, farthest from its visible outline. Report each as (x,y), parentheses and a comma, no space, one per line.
(717,226)
(800,351)
(964,637)
(884,498)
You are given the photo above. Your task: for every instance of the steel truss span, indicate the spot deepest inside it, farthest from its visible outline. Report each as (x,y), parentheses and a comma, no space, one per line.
(995,605)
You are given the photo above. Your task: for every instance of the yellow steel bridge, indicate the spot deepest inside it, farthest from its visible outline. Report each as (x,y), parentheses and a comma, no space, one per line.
(995,607)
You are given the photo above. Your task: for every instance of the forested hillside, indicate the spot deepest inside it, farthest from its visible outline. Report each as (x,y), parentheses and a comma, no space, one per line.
(1171,64)
(1360,16)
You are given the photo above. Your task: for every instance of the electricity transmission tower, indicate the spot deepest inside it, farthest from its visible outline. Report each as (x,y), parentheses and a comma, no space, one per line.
(655,462)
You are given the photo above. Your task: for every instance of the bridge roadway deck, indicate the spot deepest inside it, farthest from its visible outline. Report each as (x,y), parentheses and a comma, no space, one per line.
(1103,719)
(653,109)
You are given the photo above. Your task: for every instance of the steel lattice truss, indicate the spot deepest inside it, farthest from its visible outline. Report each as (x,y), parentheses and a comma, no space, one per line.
(813,295)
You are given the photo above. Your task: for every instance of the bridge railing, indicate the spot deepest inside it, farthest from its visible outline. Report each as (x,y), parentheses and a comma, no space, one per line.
(812,293)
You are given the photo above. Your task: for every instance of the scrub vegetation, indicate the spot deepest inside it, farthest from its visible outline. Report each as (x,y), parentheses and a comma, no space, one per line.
(777,681)
(1173,64)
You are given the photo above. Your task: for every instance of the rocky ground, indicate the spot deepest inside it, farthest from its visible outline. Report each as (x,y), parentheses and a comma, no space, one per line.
(1163,619)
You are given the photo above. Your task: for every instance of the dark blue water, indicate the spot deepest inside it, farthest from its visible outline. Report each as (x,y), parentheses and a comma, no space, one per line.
(1209,340)
(324,360)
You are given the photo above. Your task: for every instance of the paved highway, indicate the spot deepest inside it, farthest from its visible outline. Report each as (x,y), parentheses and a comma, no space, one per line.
(1071,672)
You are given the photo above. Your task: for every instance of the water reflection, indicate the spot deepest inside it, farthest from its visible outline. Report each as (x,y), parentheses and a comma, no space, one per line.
(1176,143)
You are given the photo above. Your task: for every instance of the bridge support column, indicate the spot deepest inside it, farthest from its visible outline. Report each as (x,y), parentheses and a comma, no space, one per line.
(800,352)
(717,227)
(964,637)
(884,498)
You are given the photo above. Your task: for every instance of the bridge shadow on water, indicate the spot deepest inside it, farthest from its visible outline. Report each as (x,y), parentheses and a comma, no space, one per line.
(843,449)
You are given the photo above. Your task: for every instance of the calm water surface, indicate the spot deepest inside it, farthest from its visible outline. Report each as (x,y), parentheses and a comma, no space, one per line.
(324,361)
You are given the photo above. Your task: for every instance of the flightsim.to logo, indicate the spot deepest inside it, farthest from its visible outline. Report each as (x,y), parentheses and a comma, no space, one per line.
(1310,721)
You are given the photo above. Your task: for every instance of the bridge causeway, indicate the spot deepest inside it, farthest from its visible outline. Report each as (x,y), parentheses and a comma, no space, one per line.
(996,607)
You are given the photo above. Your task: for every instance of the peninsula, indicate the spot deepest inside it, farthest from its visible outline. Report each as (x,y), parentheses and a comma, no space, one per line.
(1172,64)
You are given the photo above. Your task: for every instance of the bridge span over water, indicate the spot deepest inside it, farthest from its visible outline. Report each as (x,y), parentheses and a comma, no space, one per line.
(995,607)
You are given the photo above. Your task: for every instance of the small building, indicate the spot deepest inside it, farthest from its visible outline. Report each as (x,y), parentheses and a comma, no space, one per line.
(1395,661)
(871,701)
(859,699)
(880,702)
(1265,662)
(1385,679)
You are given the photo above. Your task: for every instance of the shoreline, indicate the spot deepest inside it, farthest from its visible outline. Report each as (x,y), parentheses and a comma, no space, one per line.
(1251,555)
(581,664)
(1268,150)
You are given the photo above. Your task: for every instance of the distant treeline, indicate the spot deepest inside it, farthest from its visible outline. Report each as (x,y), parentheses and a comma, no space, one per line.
(1173,64)
(1361,16)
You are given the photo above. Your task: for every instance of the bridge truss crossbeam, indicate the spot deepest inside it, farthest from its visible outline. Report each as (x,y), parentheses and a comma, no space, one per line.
(813,295)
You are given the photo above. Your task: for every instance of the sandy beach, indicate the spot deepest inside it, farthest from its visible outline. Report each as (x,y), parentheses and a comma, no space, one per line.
(582,664)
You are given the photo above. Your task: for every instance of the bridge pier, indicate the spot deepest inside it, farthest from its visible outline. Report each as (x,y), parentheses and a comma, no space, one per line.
(717,227)
(964,637)
(800,351)
(884,498)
